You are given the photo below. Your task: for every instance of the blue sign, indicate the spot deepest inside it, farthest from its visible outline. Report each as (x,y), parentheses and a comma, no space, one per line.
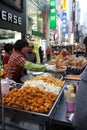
(63,23)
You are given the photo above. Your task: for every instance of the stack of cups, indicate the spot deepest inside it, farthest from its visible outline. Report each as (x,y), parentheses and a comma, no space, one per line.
(4,86)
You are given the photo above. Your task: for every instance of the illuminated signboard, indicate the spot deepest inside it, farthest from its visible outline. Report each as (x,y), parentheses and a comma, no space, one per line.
(63,23)
(64,5)
(52,14)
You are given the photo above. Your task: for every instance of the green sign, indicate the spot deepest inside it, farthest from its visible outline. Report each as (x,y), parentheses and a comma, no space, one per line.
(52,14)
(37,33)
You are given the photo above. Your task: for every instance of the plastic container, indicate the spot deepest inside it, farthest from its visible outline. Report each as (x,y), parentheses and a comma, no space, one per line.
(4,86)
(71,89)
(70,106)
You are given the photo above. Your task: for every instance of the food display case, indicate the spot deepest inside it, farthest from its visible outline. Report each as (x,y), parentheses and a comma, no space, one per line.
(70,64)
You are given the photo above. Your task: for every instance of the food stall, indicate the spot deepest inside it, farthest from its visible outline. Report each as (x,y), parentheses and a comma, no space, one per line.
(32,109)
(23,120)
(21,115)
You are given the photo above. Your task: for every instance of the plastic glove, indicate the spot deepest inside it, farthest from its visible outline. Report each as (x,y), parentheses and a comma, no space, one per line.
(51,68)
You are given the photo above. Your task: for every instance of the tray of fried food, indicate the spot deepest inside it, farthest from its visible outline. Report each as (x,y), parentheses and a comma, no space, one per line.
(60,63)
(61,66)
(62,69)
(30,99)
(46,83)
(41,100)
(77,65)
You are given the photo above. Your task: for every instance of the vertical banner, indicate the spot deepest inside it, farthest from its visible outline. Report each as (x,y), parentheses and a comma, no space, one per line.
(52,14)
(64,23)
(64,5)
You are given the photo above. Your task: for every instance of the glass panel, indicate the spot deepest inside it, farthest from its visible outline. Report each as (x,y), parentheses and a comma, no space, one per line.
(9,36)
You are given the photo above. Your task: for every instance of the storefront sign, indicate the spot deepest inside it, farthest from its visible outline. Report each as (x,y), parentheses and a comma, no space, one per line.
(64,5)
(63,23)
(7,16)
(37,33)
(52,14)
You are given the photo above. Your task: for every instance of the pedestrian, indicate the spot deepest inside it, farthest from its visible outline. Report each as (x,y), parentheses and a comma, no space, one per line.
(48,53)
(41,54)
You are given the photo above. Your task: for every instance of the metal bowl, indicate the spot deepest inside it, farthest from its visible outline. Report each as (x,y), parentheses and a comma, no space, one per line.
(26,77)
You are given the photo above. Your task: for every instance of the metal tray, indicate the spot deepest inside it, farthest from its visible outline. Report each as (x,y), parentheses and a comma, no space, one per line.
(72,77)
(24,78)
(25,116)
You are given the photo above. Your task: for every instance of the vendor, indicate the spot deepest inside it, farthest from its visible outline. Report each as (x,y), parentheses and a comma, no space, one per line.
(29,54)
(17,62)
